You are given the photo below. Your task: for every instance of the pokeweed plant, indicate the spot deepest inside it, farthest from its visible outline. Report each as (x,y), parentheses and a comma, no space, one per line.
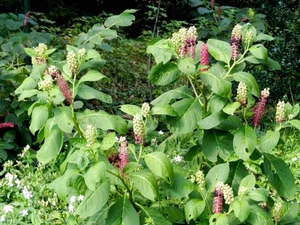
(212,164)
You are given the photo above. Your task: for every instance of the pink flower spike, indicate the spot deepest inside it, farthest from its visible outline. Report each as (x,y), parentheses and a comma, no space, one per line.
(6,125)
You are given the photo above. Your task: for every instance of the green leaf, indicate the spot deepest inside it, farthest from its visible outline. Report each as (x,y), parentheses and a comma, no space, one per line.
(163,74)
(193,209)
(163,110)
(248,182)
(241,209)
(146,183)
(3,154)
(27,94)
(39,116)
(91,75)
(95,175)
(92,64)
(160,165)
(12,25)
(249,80)
(87,92)
(220,50)
(102,120)
(259,195)
(295,123)
(289,211)
(189,112)
(231,107)
(279,175)
(212,120)
(108,141)
(259,216)
(178,93)
(27,84)
(94,200)
(218,173)
(162,50)
(244,142)
(259,51)
(216,142)
(122,213)
(218,85)
(131,110)
(52,146)
(123,20)
(263,37)
(187,65)
(63,118)
(155,215)
(218,219)
(269,141)
(271,63)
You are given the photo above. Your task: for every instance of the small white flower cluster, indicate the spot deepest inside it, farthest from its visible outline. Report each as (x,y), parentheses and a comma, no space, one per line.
(12,179)
(27,193)
(25,149)
(73,200)
(177,158)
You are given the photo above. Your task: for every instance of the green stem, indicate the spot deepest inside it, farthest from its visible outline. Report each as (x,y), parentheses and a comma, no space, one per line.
(194,89)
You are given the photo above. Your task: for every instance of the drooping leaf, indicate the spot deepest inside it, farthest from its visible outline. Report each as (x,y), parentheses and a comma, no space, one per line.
(189,112)
(95,175)
(212,120)
(146,183)
(94,200)
(249,80)
(163,74)
(52,146)
(269,141)
(193,208)
(295,123)
(39,116)
(160,165)
(220,50)
(279,175)
(244,142)
(63,118)
(122,213)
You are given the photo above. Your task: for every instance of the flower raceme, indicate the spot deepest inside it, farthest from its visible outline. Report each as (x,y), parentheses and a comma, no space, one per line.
(260,106)
(242,94)
(222,192)
(235,41)
(6,125)
(123,153)
(280,112)
(138,129)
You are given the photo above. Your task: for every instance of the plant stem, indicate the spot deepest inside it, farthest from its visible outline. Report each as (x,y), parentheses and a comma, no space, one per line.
(194,89)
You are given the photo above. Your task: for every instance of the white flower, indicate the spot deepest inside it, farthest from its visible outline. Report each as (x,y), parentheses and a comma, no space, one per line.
(24,212)
(8,208)
(71,208)
(177,158)
(18,182)
(294,159)
(2,218)
(160,132)
(80,198)
(73,199)
(27,194)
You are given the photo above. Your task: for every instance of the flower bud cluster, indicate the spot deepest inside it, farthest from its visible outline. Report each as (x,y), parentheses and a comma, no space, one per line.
(138,129)
(222,191)
(260,106)
(185,41)
(277,211)
(242,191)
(81,52)
(6,125)
(46,84)
(63,86)
(249,38)
(145,109)
(200,178)
(242,93)
(72,61)
(40,50)
(123,153)
(90,135)
(280,112)
(235,41)
(204,56)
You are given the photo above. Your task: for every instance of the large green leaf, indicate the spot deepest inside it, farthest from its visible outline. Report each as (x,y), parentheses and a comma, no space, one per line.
(244,142)
(154,215)
(212,120)
(295,123)
(123,20)
(108,141)
(279,175)
(189,112)
(87,92)
(220,50)
(27,84)
(52,146)
(63,118)
(39,116)
(122,213)
(131,110)
(241,209)
(269,141)
(92,75)
(160,165)
(187,65)
(218,219)
(237,173)
(95,175)
(193,208)
(163,74)
(289,211)
(218,85)
(178,93)
(259,51)
(102,120)
(248,182)
(259,216)
(94,200)
(146,183)
(163,110)
(218,173)
(162,50)
(249,80)
(216,143)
